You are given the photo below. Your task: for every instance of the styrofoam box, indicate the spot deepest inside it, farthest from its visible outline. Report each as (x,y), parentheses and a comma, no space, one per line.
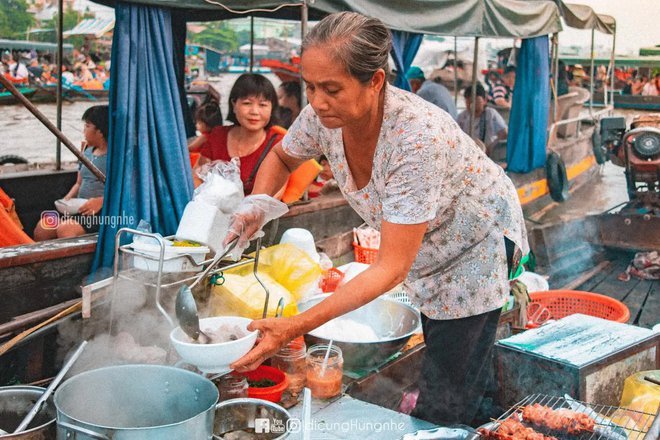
(175,259)
(203,223)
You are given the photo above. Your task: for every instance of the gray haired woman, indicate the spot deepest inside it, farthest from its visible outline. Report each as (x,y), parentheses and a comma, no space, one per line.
(446,213)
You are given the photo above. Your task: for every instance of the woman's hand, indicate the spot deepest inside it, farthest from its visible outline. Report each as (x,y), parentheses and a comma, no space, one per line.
(275,333)
(92,206)
(252,214)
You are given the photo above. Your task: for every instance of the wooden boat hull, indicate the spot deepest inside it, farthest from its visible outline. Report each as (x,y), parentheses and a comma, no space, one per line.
(634,102)
(6,98)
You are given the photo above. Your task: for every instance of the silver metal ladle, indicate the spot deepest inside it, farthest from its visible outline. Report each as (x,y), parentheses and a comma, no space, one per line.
(186,307)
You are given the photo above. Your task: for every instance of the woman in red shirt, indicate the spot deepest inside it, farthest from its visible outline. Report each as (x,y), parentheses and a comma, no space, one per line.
(252,102)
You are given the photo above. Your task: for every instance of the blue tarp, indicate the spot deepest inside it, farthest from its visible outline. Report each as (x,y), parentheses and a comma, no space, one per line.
(528,121)
(148,175)
(404,48)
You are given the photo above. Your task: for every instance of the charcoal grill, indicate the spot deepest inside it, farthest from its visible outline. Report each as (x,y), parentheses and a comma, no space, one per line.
(627,425)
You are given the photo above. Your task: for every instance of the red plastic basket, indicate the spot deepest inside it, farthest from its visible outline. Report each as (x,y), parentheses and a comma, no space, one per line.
(331,279)
(364,255)
(562,303)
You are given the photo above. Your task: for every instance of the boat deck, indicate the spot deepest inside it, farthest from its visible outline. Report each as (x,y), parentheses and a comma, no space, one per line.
(641,296)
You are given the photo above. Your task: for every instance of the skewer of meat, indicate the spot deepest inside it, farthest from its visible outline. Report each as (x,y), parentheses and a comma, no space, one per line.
(564,420)
(512,429)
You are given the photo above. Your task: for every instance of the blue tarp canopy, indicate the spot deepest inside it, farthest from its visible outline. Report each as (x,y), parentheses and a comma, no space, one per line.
(29,45)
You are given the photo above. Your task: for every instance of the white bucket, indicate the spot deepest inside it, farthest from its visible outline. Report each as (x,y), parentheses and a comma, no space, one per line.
(175,257)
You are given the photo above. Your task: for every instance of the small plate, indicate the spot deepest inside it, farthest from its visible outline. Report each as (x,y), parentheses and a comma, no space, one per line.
(70,206)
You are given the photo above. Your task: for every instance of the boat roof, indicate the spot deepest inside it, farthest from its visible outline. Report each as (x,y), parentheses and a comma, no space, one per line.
(584,17)
(620,61)
(467,18)
(29,45)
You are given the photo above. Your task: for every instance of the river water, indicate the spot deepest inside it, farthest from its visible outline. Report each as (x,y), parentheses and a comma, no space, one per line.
(23,135)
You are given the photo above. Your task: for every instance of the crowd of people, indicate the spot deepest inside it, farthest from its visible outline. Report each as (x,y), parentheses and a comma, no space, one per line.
(638,84)
(87,70)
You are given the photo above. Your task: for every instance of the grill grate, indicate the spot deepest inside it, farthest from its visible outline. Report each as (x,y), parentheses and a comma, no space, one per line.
(612,423)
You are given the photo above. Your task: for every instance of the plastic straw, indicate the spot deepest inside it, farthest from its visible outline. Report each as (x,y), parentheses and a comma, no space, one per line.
(324,365)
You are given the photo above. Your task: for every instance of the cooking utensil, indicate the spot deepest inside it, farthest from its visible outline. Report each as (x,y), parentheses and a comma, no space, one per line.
(136,402)
(256,275)
(185,305)
(37,406)
(306,413)
(324,365)
(242,413)
(17,400)
(280,308)
(393,321)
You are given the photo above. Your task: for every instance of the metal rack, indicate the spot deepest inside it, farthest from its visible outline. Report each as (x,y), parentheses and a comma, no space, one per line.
(159,281)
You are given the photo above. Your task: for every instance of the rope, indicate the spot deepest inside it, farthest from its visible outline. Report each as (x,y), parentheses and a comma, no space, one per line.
(250,11)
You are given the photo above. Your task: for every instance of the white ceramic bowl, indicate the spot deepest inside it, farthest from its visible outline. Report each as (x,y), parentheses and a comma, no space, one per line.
(214,358)
(69,207)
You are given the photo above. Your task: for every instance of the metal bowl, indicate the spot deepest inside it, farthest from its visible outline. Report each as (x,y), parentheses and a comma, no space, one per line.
(267,419)
(393,321)
(15,402)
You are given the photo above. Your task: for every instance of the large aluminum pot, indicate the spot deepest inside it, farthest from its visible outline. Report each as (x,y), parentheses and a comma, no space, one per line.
(393,321)
(270,420)
(15,403)
(136,402)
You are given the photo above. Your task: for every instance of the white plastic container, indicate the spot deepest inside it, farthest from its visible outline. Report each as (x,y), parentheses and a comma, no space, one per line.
(303,239)
(174,260)
(204,223)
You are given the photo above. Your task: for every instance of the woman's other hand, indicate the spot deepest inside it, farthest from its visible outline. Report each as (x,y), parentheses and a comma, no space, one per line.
(275,333)
(92,206)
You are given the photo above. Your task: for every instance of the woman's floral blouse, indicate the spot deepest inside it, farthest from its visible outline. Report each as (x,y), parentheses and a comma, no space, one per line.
(425,169)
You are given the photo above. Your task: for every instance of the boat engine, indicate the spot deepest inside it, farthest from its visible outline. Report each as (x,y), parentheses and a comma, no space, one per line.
(638,151)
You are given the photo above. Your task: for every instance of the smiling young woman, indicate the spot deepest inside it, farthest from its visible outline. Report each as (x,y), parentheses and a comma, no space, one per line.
(252,102)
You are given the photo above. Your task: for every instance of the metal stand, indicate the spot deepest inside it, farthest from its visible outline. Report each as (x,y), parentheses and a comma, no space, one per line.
(159,283)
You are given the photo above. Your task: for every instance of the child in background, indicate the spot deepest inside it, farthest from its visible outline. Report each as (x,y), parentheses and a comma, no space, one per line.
(207,117)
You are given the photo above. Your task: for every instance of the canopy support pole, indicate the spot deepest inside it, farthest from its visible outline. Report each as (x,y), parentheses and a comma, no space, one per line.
(60,52)
(455,71)
(613,64)
(555,75)
(592,76)
(473,95)
(304,17)
(251,42)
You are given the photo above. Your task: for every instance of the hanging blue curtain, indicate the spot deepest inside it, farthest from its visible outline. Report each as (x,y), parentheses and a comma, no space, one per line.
(528,121)
(404,48)
(148,174)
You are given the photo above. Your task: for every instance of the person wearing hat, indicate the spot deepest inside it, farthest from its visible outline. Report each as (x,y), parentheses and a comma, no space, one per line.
(502,93)
(15,72)
(579,75)
(431,91)
(488,126)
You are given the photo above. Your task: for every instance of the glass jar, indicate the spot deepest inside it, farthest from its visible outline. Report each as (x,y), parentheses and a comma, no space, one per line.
(324,382)
(291,360)
(232,386)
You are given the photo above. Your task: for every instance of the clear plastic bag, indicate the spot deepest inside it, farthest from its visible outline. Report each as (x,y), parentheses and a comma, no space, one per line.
(222,185)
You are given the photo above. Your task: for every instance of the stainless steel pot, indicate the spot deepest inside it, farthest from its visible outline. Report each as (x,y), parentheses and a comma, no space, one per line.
(15,403)
(393,321)
(246,413)
(136,402)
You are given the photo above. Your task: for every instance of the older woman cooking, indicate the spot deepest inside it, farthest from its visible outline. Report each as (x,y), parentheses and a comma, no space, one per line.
(447,214)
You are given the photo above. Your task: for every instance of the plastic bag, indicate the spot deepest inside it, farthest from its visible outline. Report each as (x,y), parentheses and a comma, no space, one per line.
(252,214)
(285,265)
(145,226)
(222,185)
